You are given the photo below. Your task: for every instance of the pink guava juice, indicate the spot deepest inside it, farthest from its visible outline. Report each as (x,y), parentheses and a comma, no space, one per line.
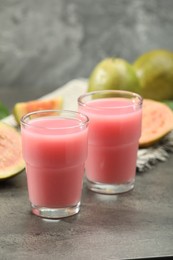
(54,150)
(114,131)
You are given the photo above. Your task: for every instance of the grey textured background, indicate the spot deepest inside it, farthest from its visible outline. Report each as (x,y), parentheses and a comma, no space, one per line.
(46,43)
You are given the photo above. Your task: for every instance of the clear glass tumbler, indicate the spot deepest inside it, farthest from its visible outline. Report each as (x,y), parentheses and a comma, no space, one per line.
(54,147)
(113,136)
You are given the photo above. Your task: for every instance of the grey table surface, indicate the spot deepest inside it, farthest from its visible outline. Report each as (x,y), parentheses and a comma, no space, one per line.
(43,45)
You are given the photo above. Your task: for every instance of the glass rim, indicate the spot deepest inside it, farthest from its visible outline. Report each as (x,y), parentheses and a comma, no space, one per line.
(128,94)
(72,112)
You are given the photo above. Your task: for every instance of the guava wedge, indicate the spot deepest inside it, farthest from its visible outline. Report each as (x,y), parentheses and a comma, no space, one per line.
(11,160)
(22,108)
(157,121)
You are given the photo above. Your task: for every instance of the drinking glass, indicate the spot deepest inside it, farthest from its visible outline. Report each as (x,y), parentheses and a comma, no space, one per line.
(113,136)
(54,144)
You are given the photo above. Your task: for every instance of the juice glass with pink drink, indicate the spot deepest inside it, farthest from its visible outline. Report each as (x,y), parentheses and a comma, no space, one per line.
(113,135)
(54,147)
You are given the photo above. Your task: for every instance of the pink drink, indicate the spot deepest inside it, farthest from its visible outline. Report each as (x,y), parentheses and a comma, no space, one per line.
(114,132)
(55,150)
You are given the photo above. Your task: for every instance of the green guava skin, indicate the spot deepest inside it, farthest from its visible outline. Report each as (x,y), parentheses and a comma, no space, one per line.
(155,72)
(113,74)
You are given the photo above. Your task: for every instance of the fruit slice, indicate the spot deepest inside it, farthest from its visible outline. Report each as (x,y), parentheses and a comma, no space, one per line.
(22,108)
(11,160)
(113,73)
(157,121)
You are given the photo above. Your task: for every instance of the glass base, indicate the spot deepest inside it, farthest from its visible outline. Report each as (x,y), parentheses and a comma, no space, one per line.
(110,188)
(55,213)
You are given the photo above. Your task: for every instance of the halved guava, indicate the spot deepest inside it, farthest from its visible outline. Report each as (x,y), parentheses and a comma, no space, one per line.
(22,108)
(11,160)
(157,121)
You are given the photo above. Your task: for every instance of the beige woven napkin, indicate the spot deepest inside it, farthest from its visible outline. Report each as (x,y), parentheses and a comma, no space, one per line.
(147,158)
